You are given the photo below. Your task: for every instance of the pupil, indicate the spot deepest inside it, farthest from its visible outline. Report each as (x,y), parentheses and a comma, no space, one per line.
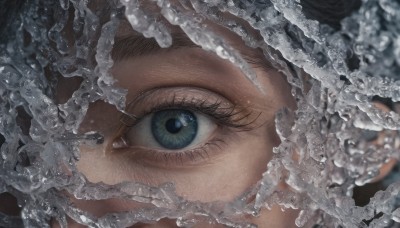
(173,125)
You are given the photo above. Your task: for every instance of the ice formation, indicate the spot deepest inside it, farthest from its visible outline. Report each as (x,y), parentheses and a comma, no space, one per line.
(330,130)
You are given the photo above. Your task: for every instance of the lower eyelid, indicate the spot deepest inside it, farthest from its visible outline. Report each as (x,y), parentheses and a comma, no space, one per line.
(184,158)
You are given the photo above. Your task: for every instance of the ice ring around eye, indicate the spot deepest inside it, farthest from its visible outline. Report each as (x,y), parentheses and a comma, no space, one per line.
(171,129)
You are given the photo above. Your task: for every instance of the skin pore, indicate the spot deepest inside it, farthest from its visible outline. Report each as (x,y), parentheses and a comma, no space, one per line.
(236,130)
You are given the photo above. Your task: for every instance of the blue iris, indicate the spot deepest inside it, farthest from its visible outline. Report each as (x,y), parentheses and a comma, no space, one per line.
(174,128)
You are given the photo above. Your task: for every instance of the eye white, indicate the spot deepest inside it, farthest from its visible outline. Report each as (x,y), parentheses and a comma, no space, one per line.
(141,134)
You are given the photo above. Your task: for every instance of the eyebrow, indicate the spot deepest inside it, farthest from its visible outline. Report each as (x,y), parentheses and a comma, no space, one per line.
(135,45)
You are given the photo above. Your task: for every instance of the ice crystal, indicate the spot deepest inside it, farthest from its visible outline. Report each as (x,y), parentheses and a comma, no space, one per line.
(335,75)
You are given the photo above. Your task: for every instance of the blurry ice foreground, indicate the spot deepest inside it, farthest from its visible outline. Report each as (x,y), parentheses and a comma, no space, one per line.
(330,129)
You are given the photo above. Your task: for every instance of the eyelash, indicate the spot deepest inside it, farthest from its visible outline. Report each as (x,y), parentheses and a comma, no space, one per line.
(222,115)
(228,117)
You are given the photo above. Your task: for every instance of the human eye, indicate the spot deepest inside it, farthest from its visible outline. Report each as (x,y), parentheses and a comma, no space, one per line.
(172,129)
(180,126)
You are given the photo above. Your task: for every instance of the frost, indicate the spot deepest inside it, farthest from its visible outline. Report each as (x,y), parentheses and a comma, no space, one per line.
(327,144)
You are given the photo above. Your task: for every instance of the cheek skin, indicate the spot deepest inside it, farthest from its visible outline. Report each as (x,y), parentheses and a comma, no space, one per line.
(240,168)
(224,179)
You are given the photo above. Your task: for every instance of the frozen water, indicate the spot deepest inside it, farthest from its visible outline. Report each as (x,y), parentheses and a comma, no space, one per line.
(335,76)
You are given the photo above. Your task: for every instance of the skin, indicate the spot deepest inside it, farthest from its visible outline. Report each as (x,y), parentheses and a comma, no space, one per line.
(227,169)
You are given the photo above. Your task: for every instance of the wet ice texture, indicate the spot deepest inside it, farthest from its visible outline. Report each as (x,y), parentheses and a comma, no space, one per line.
(331,131)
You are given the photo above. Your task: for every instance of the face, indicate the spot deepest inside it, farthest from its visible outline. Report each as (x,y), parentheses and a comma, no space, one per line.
(197,132)
(192,119)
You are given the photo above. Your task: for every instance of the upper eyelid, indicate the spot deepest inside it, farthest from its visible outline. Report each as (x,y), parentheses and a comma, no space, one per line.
(214,109)
(145,96)
(209,109)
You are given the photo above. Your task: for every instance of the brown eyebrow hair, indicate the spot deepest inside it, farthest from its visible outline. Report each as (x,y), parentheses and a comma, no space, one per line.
(133,44)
